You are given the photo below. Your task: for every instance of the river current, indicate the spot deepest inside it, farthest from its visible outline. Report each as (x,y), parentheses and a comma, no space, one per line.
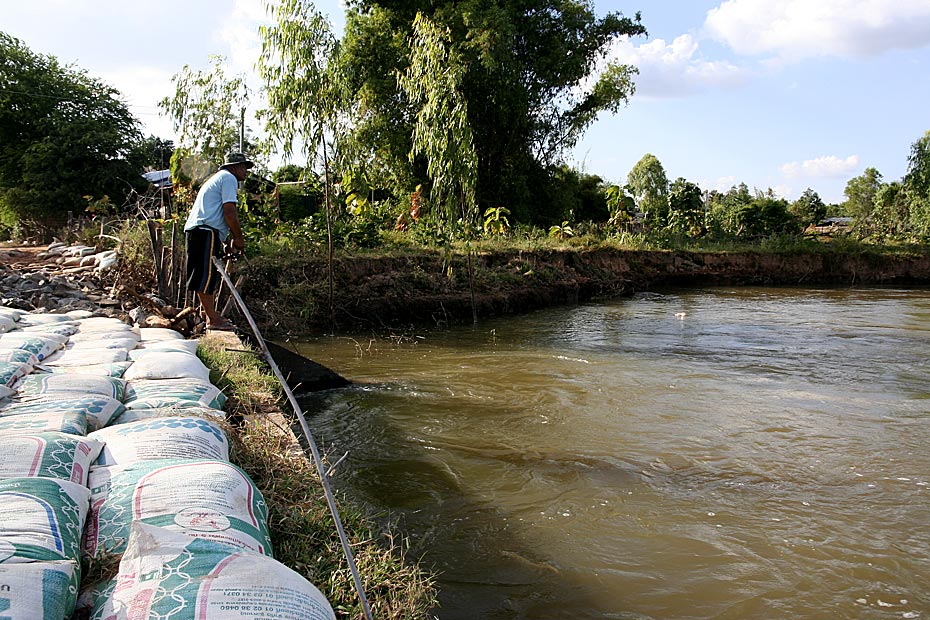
(689,454)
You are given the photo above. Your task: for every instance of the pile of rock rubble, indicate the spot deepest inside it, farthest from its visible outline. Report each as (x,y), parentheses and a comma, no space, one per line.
(61,278)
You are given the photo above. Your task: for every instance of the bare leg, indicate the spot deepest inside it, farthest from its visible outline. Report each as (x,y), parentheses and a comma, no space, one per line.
(209,308)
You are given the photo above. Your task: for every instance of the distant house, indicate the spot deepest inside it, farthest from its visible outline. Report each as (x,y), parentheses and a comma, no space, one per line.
(836,221)
(157,200)
(160,179)
(830,226)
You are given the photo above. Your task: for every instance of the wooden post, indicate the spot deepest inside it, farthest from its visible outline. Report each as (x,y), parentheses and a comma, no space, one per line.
(155,239)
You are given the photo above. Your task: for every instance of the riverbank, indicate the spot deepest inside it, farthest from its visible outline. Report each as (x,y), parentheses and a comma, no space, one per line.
(291,293)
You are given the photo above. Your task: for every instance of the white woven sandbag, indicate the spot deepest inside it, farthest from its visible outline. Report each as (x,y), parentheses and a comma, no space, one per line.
(104,342)
(163,574)
(43,422)
(38,590)
(11,313)
(154,334)
(97,410)
(79,315)
(105,324)
(42,345)
(6,324)
(115,369)
(168,365)
(10,372)
(191,410)
(103,327)
(105,333)
(4,393)
(48,455)
(207,499)
(62,329)
(42,318)
(78,250)
(85,357)
(173,392)
(71,385)
(185,346)
(188,438)
(18,355)
(19,334)
(41,519)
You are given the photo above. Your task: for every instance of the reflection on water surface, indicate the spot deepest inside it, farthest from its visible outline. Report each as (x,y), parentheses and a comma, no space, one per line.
(717,453)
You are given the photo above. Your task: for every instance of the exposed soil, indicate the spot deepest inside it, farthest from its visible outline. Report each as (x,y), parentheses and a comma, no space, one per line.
(292,295)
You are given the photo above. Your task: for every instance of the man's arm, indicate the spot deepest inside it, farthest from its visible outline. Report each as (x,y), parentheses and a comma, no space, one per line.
(231,215)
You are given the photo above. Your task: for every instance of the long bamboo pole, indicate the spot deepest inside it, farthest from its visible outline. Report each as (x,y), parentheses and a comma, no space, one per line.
(317,459)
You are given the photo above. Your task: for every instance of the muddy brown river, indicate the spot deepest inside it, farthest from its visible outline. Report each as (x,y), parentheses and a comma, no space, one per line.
(689,454)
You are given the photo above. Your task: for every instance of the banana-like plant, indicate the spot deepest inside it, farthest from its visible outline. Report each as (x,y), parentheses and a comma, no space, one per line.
(561,231)
(495,221)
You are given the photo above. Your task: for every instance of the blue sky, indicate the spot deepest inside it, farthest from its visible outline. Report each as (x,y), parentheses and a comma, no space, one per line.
(782,94)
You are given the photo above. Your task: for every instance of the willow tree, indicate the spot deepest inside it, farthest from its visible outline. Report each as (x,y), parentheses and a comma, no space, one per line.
(441,131)
(206,111)
(298,66)
(306,100)
(532,74)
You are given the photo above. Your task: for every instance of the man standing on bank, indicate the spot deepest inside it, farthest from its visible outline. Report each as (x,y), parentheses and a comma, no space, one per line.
(213,217)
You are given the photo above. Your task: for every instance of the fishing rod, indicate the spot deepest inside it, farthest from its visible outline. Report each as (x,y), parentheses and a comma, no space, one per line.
(317,459)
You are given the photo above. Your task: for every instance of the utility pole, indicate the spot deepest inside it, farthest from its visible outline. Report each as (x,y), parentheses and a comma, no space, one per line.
(242,130)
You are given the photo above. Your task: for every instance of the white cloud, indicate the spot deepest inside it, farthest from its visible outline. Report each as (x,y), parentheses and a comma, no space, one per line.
(240,32)
(829,166)
(723,184)
(794,29)
(783,191)
(674,69)
(142,87)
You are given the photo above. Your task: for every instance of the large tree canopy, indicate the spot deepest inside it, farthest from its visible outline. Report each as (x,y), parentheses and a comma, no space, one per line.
(649,184)
(526,65)
(808,208)
(63,136)
(860,194)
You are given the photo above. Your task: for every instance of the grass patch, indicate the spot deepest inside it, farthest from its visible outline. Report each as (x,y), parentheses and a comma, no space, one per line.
(302,529)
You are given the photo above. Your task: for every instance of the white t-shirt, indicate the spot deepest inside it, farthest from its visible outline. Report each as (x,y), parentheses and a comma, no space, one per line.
(221,188)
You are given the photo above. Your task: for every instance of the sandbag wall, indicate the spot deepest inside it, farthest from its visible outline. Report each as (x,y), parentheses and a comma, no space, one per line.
(110,446)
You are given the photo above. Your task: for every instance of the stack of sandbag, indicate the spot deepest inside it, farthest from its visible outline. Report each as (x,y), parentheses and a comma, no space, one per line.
(151,482)
(100,346)
(168,464)
(40,398)
(44,463)
(164,494)
(79,257)
(21,350)
(166,374)
(45,460)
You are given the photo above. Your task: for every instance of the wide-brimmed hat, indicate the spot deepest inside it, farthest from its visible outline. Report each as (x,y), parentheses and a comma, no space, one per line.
(237,158)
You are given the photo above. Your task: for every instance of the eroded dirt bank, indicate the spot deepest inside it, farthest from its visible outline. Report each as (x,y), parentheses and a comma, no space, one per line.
(292,294)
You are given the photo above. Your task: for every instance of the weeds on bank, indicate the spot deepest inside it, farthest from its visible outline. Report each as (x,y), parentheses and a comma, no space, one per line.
(302,529)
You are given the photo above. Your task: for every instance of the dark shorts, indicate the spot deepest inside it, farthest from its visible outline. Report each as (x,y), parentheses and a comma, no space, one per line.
(202,244)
